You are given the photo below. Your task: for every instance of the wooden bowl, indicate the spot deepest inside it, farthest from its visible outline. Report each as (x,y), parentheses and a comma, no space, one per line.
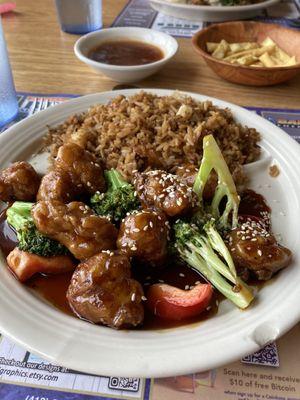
(235,32)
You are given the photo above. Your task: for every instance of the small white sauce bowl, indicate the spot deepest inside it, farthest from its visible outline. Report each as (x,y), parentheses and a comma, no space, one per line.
(126,74)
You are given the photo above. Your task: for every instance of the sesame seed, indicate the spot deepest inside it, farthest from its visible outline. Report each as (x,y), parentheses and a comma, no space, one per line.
(259,252)
(182,275)
(135,230)
(133,296)
(186,287)
(145,228)
(133,248)
(151,224)
(89,184)
(161,281)
(144,298)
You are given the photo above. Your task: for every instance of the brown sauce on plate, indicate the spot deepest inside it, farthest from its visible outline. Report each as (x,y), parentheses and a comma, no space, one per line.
(253,203)
(126,53)
(53,288)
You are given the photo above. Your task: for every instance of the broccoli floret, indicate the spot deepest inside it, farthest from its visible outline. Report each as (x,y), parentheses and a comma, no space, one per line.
(214,160)
(29,238)
(119,199)
(199,249)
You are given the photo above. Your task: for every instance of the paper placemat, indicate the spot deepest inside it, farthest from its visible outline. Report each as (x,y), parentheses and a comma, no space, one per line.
(139,13)
(271,373)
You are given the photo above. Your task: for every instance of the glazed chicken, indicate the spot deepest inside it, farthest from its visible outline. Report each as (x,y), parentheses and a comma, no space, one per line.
(75,226)
(102,291)
(164,191)
(252,247)
(82,167)
(19,182)
(144,235)
(76,174)
(24,265)
(187,175)
(57,185)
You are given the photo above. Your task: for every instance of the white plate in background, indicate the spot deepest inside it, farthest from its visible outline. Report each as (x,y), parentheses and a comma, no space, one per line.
(210,13)
(230,334)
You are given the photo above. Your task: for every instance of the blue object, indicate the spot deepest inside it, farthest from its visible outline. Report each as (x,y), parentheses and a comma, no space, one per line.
(8,98)
(79,16)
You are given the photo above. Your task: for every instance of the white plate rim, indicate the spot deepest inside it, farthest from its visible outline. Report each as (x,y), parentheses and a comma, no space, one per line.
(35,325)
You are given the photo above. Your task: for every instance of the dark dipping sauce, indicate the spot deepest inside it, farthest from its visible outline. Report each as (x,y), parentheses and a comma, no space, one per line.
(53,288)
(126,53)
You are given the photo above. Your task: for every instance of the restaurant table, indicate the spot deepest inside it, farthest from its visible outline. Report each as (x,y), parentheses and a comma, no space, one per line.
(43,61)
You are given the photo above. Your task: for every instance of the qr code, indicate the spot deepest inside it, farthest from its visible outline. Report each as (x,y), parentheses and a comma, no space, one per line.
(127,384)
(267,356)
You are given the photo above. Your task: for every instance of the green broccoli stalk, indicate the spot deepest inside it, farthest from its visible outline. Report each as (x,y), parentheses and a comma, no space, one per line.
(214,160)
(219,246)
(119,199)
(197,249)
(29,238)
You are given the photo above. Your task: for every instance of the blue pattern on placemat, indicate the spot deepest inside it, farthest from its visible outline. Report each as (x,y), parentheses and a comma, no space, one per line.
(267,356)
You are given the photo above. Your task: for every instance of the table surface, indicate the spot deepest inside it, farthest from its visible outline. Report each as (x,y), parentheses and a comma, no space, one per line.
(43,61)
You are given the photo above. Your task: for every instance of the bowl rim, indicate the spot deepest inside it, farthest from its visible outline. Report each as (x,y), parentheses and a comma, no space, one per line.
(207,56)
(85,38)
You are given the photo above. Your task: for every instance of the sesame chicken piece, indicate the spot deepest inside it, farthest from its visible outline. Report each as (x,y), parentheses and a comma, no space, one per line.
(19,181)
(102,291)
(187,174)
(144,235)
(76,226)
(254,248)
(165,192)
(57,185)
(82,167)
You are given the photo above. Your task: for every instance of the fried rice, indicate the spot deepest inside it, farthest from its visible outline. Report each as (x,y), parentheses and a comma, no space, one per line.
(146,131)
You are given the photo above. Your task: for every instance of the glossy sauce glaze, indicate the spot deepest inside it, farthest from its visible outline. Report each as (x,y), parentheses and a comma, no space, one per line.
(126,53)
(53,288)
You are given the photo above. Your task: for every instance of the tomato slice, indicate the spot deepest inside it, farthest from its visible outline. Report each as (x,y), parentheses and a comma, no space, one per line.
(169,302)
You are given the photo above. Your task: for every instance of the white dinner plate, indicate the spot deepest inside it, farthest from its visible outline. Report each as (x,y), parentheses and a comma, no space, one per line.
(210,13)
(230,334)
